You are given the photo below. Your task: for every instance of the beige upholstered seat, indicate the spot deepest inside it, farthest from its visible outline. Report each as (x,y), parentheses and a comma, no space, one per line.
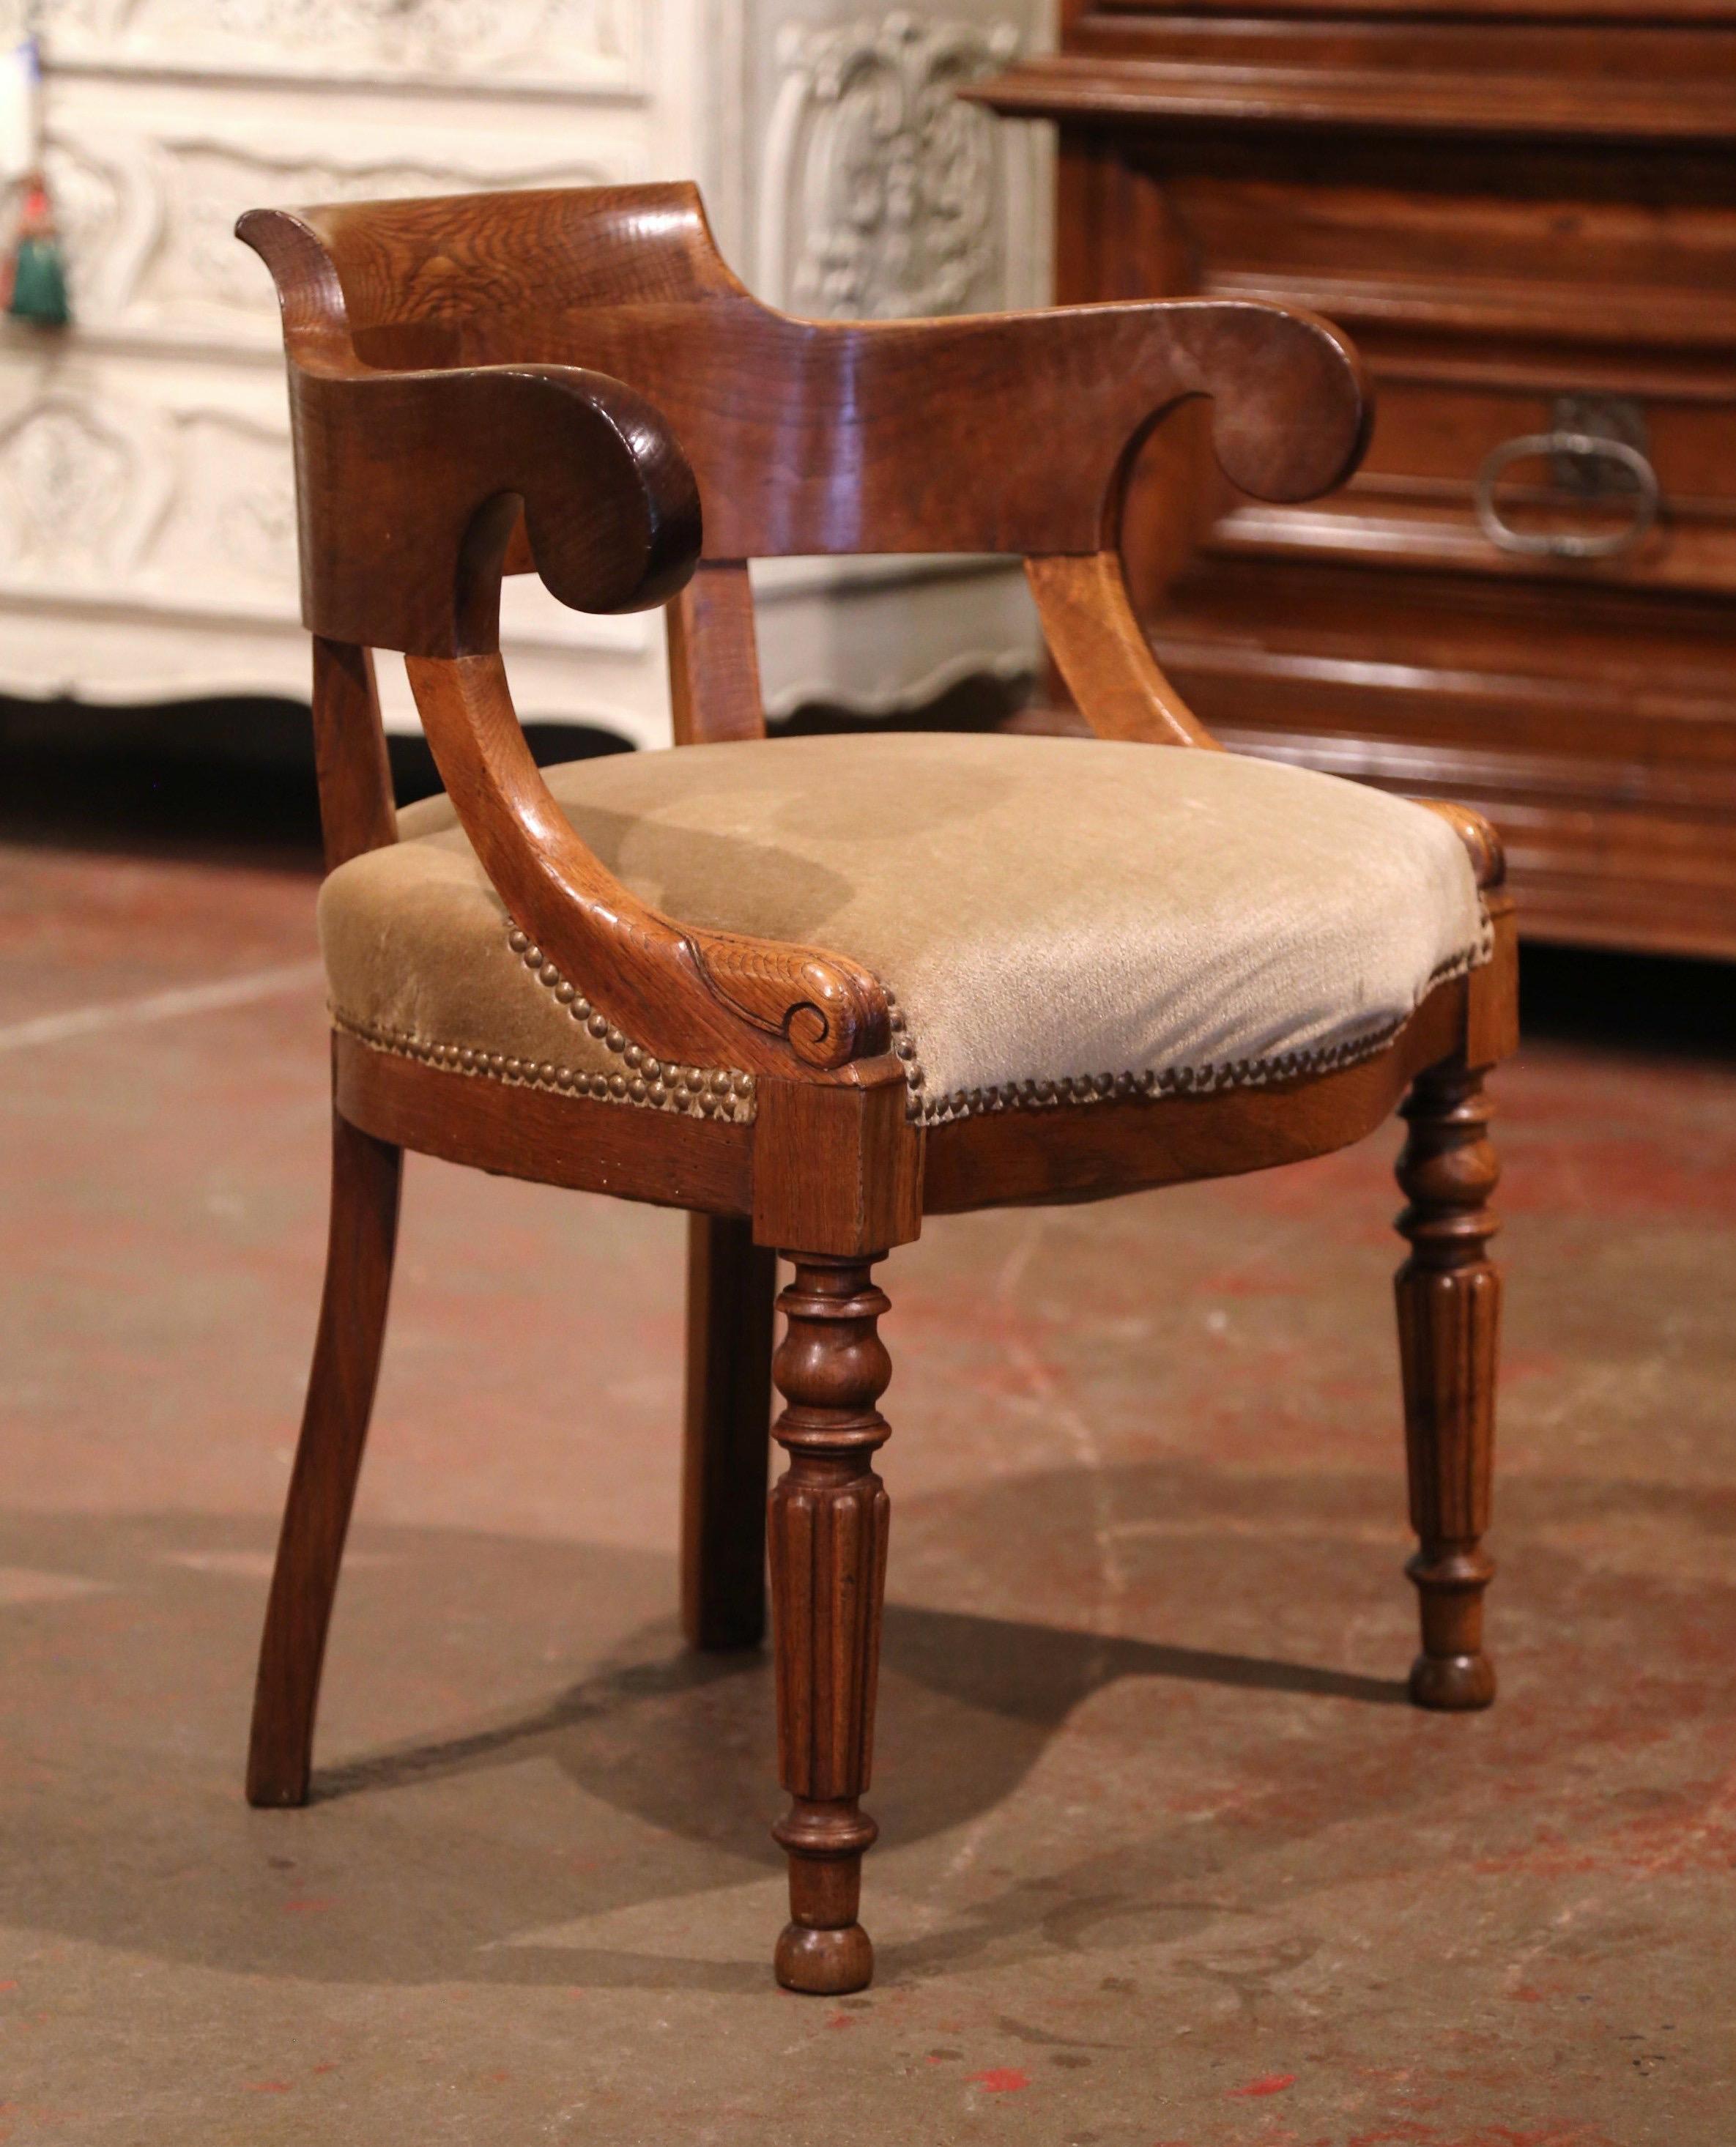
(1056,919)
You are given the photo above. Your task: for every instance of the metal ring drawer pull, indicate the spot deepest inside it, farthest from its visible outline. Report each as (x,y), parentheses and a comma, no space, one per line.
(1561,544)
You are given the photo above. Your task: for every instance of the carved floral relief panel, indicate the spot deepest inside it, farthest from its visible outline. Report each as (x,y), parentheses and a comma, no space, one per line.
(882,193)
(150,222)
(114,488)
(81,491)
(573,45)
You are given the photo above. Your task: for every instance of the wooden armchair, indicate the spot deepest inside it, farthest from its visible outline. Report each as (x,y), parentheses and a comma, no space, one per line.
(816,989)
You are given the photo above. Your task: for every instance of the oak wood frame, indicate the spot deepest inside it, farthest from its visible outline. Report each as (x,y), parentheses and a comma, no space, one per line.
(444,436)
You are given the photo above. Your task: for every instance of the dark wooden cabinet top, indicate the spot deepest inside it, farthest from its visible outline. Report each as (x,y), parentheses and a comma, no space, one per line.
(1589,71)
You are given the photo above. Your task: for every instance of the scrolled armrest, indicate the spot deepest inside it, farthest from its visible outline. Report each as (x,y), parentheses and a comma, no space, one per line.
(721,998)
(410,484)
(1291,411)
(1289,414)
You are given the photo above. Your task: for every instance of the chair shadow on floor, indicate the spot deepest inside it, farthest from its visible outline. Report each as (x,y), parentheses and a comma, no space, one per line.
(990,1690)
(1034,1675)
(970,1705)
(614,1835)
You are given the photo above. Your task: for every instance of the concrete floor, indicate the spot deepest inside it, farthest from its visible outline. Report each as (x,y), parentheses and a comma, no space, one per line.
(1166,1861)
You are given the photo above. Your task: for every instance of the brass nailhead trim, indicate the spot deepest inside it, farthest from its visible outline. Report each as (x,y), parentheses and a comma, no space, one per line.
(694,1094)
(642,1081)
(1078,1088)
(730,1094)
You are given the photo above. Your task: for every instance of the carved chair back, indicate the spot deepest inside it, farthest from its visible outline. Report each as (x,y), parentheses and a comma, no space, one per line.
(1007,433)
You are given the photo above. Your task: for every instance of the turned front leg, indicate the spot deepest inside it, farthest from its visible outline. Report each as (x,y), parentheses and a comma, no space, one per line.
(1450,1316)
(828,1521)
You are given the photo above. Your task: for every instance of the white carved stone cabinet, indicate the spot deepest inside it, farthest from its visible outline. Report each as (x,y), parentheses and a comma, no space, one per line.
(147,523)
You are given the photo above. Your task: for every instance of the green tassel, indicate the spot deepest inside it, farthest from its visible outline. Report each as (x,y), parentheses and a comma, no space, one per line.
(39,283)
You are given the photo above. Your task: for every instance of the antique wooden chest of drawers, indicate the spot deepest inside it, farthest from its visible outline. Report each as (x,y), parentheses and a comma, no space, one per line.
(1528,222)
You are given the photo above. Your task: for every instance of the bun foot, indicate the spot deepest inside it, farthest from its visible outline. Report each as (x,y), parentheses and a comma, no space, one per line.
(824,1963)
(1452,1684)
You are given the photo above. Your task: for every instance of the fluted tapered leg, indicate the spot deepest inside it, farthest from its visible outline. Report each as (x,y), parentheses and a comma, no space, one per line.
(1449,1317)
(829,1531)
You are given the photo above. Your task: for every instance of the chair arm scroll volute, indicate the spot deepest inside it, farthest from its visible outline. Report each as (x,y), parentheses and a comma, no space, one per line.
(1290,418)
(434,470)
(411,483)
(1291,410)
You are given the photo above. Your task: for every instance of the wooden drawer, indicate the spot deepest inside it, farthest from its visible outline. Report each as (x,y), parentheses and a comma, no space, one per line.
(1490,306)
(1443,447)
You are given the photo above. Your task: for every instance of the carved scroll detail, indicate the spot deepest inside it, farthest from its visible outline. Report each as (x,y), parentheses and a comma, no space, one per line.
(825,1013)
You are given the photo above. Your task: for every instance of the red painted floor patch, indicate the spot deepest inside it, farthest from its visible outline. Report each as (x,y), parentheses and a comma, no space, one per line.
(1003,2081)
(1270,2084)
